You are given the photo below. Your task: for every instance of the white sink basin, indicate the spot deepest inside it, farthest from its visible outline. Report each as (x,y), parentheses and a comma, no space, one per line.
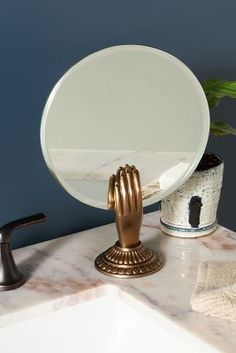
(112,323)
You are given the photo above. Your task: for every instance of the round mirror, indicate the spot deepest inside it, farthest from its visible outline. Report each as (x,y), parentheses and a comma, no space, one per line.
(127,104)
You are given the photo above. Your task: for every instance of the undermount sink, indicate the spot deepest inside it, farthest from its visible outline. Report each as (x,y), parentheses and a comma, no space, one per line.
(114,322)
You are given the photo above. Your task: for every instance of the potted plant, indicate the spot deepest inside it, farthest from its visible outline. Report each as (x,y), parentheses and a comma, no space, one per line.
(191,211)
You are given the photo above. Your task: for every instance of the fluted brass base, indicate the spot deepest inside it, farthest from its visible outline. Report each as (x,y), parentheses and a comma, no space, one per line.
(128,262)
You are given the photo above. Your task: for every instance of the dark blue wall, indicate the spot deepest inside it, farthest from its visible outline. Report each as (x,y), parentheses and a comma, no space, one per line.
(40,40)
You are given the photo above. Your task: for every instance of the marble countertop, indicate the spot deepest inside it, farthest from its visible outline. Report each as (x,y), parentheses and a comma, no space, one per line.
(61,272)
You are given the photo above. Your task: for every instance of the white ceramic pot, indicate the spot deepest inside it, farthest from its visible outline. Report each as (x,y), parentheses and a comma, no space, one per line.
(191,211)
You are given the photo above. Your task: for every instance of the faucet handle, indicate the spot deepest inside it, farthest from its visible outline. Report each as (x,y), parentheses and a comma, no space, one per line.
(10,275)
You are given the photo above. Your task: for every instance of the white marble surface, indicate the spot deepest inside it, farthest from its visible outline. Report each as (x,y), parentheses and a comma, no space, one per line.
(61,273)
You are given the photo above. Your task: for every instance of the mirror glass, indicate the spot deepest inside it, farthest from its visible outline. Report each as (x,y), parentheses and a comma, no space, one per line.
(125,104)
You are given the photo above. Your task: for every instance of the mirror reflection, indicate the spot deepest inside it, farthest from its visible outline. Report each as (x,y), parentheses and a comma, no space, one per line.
(125,105)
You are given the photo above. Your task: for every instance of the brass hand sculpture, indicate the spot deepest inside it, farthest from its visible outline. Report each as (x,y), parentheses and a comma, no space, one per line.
(124,196)
(128,257)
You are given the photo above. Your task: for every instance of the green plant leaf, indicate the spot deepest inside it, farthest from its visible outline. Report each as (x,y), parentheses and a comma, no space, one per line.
(217,89)
(213,101)
(221,128)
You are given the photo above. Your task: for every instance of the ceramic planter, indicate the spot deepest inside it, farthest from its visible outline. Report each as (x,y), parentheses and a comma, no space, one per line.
(191,211)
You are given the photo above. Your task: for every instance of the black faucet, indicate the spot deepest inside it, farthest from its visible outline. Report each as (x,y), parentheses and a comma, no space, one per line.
(10,275)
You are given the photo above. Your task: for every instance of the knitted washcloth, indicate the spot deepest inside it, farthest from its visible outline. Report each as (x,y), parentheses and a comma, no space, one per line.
(215,291)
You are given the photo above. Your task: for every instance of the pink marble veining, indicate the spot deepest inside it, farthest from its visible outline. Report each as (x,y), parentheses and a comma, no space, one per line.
(61,273)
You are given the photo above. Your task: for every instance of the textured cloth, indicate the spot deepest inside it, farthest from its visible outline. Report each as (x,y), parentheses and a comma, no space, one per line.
(215,291)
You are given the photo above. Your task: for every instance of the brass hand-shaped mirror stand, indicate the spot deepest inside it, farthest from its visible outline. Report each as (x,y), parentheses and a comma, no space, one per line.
(128,257)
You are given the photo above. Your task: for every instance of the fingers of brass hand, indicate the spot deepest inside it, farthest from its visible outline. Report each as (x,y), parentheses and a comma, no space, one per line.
(124,192)
(118,201)
(111,192)
(137,188)
(130,188)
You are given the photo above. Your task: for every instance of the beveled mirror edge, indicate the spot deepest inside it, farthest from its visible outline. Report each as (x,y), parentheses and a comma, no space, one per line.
(178,183)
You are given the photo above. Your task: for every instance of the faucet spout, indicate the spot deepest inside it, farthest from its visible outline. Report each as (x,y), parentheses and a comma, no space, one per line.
(10,275)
